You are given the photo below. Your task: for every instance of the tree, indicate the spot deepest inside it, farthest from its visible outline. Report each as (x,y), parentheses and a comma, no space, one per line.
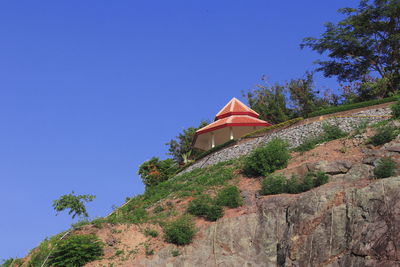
(366,41)
(75,204)
(303,96)
(180,148)
(155,171)
(269,101)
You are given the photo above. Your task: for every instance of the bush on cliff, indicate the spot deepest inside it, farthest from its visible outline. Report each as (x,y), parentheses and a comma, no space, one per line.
(180,231)
(267,159)
(204,206)
(76,250)
(385,168)
(396,109)
(229,197)
(330,132)
(384,135)
(278,184)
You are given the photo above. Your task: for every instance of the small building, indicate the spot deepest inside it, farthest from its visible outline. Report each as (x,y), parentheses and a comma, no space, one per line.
(232,122)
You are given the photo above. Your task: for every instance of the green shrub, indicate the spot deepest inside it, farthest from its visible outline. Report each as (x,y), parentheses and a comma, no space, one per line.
(384,135)
(175,253)
(293,185)
(205,207)
(273,184)
(309,144)
(40,253)
(351,106)
(321,178)
(267,159)
(308,182)
(148,251)
(155,171)
(278,184)
(229,197)
(385,168)
(332,132)
(158,209)
(11,262)
(76,250)
(396,109)
(180,231)
(150,232)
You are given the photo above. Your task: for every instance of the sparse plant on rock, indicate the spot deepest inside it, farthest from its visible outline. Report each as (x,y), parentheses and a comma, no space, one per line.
(278,184)
(384,135)
(385,168)
(396,109)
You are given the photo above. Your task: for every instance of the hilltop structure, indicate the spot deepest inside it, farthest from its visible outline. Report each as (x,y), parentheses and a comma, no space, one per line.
(234,120)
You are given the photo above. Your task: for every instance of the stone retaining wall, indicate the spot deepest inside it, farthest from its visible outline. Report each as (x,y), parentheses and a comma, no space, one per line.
(294,135)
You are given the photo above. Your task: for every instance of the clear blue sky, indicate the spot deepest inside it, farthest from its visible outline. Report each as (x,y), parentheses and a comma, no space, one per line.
(91,89)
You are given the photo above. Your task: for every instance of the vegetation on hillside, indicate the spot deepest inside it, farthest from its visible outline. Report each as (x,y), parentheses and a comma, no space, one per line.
(73,203)
(267,159)
(278,184)
(330,132)
(366,41)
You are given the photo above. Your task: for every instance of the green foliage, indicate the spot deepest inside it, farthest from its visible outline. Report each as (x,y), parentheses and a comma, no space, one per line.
(158,209)
(266,159)
(39,254)
(346,107)
(321,178)
(396,109)
(75,204)
(11,262)
(384,135)
(155,171)
(269,102)
(181,146)
(330,132)
(80,223)
(309,144)
(204,206)
(360,128)
(175,253)
(303,96)
(229,197)
(385,168)
(76,250)
(150,232)
(148,251)
(215,149)
(265,130)
(180,231)
(131,215)
(192,183)
(273,184)
(366,40)
(278,184)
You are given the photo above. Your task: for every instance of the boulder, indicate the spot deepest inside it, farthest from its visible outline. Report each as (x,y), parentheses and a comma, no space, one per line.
(334,167)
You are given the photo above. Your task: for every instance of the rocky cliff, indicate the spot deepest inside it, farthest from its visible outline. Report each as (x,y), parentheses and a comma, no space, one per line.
(351,221)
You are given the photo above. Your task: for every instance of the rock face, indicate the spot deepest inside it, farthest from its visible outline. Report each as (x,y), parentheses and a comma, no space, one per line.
(338,224)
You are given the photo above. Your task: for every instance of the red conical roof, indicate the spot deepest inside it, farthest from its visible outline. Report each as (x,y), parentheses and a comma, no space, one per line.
(235,107)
